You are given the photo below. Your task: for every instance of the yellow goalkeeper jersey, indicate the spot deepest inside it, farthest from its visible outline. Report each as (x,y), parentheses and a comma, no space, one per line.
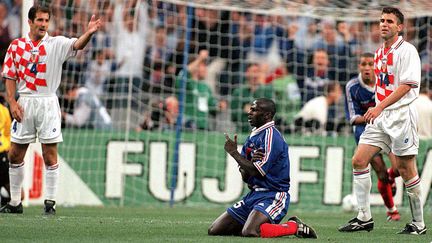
(5,125)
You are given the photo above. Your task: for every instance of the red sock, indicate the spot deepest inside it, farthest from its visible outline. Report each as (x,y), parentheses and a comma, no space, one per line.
(386,193)
(277,230)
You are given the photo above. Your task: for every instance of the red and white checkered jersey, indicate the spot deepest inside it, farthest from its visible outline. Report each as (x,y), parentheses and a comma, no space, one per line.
(37,70)
(401,67)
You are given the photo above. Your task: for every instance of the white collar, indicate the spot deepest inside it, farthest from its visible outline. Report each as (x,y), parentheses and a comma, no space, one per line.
(255,130)
(28,39)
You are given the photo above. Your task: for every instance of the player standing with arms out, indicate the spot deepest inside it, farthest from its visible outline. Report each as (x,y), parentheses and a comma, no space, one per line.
(33,64)
(264,165)
(392,124)
(360,96)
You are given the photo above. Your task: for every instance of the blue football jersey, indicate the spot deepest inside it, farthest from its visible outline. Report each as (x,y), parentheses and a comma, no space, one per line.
(275,166)
(359,98)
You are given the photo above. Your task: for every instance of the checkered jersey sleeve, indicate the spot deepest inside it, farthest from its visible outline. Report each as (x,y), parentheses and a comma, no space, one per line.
(410,72)
(9,69)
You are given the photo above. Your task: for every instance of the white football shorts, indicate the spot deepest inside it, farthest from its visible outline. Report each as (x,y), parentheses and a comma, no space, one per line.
(42,119)
(394,130)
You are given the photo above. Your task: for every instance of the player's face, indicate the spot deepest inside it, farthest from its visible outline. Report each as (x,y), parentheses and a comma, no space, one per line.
(39,26)
(256,115)
(366,66)
(389,26)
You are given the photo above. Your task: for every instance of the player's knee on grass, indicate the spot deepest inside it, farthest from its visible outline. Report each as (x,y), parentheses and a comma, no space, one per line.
(211,230)
(250,232)
(216,229)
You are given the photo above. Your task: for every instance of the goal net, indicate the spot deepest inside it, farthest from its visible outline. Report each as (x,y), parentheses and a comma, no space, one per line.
(167,79)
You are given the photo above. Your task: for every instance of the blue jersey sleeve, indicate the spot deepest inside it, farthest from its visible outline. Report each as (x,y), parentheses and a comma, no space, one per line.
(352,107)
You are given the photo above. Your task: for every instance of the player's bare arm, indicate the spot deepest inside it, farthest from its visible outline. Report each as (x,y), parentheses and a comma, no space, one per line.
(246,165)
(16,109)
(93,26)
(374,112)
(359,120)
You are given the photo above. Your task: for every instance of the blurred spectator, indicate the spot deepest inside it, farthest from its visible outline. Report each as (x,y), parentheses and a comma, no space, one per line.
(317,76)
(287,95)
(99,71)
(264,43)
(131,35)
(159,50)
(292,55)
(243,96)
(5,35)
(157,63)
(16,9)
(103,39)
(199,100)
(373,38)
(160,77)
(163,116)
(75,67)
(88,111)
(211,31)
(411,32)
(9,21)
(306,34)
(352,34)
(423,104)
(313,117)
(337,49)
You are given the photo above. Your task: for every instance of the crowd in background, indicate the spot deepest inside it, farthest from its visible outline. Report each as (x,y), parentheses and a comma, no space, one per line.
(137,60)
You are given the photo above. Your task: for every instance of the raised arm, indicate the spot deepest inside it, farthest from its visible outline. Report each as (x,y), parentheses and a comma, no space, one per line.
(194,65)
(93,26)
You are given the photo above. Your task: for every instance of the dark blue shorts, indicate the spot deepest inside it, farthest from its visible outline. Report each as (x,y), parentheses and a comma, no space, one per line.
(272,204)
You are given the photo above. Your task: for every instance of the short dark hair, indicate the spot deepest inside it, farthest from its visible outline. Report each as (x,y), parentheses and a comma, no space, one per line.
(367,54)
(267,105)
(38,8)
(392,10)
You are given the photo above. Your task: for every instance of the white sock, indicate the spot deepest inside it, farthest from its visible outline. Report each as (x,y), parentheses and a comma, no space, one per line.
(414,196)
(51,181)
(392,210)
(16,178)
(362,187)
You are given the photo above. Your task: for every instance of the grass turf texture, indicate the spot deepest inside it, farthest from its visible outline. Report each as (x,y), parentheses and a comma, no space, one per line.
(178,224)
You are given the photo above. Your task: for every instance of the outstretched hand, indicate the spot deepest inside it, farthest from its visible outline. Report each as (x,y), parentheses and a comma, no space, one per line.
(94,24)
(230,145)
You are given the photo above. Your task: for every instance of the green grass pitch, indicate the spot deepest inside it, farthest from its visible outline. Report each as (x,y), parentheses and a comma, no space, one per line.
(178,224)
